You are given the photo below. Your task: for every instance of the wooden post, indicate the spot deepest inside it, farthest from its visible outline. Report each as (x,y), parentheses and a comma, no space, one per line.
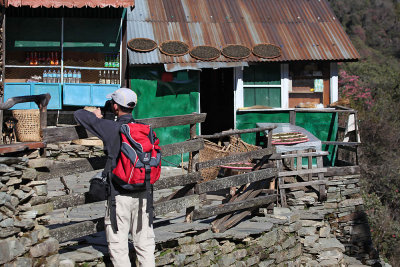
(3,59)
(310,165)
(292,117)
(189,210)
(281,181)
(322,189)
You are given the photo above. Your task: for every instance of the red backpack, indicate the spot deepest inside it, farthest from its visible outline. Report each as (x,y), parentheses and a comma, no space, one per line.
(139,161)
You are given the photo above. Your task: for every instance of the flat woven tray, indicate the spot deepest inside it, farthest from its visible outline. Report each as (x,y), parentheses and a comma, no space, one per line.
(205,52)
(174,48)
(236,51)
(289,138)
(142,44)
(266,50)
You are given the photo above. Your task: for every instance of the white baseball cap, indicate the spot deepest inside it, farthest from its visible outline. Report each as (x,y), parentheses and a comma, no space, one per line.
(124,97)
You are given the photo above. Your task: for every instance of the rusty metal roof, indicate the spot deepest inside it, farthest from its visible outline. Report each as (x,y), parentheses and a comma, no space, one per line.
(69,3)
(304,29)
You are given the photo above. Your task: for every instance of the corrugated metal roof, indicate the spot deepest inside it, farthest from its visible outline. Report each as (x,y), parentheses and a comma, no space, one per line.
(70,3)
(304,29)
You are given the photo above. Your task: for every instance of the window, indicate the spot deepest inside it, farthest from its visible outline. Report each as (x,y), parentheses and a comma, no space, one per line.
(262,85)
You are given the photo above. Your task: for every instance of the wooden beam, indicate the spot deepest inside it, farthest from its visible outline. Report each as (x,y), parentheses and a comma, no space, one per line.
(302,184)
(74,200)
(18,147)
(340,171)
(235,158)
(179,180)
(341,143)
(305,154)
(232,206)
(182,147)
(72,167)
(58,134)
(98,163)
(236,180)
(40,100)
(301,172)
(233,132)
(176,205)
(175,120)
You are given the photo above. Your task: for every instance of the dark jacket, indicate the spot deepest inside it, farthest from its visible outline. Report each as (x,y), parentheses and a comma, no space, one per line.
(107,131)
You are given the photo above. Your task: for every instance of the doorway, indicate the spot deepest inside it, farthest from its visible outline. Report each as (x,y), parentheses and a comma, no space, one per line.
(216,99)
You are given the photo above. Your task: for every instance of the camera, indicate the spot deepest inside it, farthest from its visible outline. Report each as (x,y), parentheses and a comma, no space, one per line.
(107,111)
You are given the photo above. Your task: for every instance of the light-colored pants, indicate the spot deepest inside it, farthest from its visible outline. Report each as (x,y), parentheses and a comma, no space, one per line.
(131,217)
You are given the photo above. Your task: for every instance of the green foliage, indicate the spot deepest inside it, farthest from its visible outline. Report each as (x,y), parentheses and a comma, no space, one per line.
(374,28)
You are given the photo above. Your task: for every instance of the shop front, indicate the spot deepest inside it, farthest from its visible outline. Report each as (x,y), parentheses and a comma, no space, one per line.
(75,54)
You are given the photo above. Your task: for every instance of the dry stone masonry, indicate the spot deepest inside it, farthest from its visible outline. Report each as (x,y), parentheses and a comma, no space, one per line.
(25,239)
(306,233)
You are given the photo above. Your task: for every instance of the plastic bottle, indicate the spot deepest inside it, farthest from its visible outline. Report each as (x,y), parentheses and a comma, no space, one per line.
(100,77)
(117,61)
(70,76)
(106,63)
(79,75)
(117,77)
(65,76)
(58,76)
(54,76)
(112,78)
(74,77)
(44,76)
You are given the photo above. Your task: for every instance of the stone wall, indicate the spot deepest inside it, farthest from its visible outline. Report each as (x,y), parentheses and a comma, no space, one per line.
(24,238)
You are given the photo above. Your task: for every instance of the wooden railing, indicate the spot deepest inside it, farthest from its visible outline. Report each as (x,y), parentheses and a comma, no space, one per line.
(187,197)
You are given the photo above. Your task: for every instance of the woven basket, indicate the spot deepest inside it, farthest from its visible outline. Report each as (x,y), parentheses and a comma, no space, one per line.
(28,126)
(209,152)
(237,145)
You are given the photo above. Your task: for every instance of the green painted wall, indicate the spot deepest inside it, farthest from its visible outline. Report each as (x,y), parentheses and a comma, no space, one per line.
(160,95)
(322,125)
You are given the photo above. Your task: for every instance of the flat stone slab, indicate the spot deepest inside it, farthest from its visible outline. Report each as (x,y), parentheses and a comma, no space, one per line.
(245,229)
(164,236)
(82,254)
(184,227)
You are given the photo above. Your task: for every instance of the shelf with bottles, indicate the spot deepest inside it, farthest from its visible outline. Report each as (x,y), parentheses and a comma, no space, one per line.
(92,61)
(33,59)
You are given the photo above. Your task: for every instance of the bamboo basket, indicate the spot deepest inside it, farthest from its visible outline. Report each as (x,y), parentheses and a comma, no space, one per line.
(209,152)
(237,145)
(28,127)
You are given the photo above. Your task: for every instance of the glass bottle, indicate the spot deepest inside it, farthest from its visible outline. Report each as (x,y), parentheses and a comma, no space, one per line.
(106,63)
(108,78)
(100,79)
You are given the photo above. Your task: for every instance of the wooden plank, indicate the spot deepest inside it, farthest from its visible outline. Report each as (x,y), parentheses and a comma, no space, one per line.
(302,184)
(340,171)
(18,147)
(58,134)
(322,187)
(175,120)
(341,143)
(85,165)
(41,100)
(179,180)
(301,172)
(305,154)
(236,180)
(182,147)
(235,158)
(232,206)
(319,110)
(77,230)
(72,167)
(233,132)
(176,205)
(292,117)
(74,200)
